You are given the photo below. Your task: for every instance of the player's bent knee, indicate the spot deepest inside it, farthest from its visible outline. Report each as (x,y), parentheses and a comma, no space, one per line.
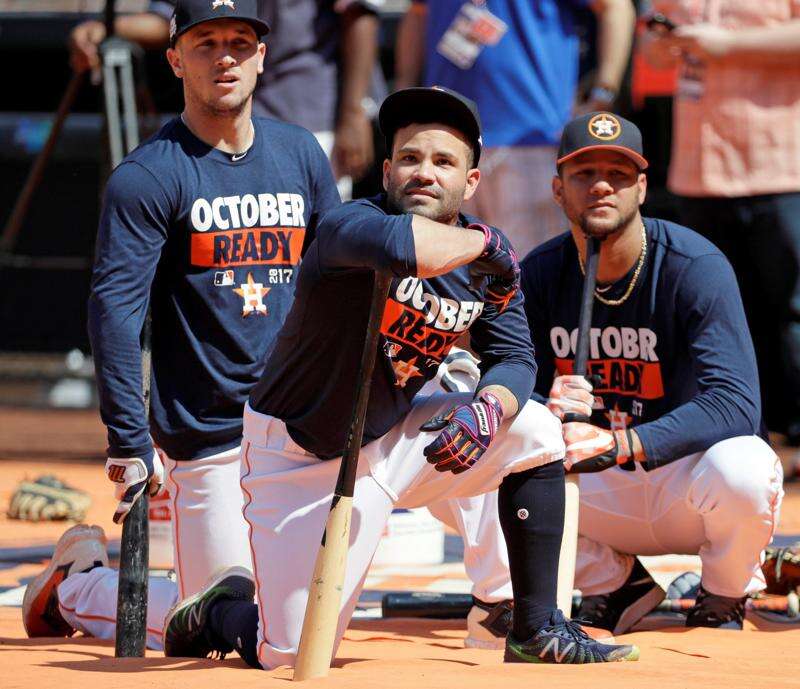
(743,472)
(535,431)
(535,419)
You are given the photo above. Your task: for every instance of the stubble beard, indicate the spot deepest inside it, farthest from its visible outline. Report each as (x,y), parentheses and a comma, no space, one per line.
(600,229)
(445,209)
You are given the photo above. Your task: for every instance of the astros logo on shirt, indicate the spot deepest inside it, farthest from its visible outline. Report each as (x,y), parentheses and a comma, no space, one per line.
(253,294)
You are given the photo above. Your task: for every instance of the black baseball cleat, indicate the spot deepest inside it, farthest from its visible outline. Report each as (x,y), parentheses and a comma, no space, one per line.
(563,641)
(619,610)
(488,624)
(186,629)
(710,610)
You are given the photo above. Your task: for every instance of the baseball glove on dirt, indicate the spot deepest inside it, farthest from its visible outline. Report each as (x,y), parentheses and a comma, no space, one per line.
(782,568)
(48,499)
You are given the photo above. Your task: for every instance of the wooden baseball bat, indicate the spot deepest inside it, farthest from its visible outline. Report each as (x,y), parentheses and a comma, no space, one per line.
(569,541)
(14,223)
(134,554)
(315,652)
(439,605)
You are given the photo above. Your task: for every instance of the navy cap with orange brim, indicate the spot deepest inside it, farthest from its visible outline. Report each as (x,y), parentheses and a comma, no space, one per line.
(601,131)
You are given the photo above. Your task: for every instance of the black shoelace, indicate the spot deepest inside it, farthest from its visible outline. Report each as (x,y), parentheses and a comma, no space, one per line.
(569,628)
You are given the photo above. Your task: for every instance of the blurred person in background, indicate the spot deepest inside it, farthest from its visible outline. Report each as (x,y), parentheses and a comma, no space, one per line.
(318,74)
(735,164)
(518,60)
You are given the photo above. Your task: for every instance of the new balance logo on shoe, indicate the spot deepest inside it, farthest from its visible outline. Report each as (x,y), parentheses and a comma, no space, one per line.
(196,616)
(553,643)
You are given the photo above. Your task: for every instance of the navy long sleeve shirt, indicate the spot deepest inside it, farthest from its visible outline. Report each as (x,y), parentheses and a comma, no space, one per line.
(675,360)
(213,242)
(310,377)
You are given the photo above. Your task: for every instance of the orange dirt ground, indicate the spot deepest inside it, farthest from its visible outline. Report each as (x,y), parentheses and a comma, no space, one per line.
(375,653)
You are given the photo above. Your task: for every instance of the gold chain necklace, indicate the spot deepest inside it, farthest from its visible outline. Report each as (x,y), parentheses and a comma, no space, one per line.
(631,284)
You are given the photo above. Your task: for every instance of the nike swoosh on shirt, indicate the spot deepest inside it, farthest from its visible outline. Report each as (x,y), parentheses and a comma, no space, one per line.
(238,156)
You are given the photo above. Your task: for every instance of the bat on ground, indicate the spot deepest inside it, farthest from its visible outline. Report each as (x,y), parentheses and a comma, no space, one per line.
(435,605)
(317,638)
(569,541)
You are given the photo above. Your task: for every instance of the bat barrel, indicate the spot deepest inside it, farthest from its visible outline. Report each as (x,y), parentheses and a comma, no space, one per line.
(134,555)
(132,594)
(321,620)
(569,540)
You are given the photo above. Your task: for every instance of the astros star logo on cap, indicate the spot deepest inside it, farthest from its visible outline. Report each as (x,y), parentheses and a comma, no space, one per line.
(604,127)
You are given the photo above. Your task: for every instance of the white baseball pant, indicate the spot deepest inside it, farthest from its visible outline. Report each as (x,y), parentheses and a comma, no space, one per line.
(474,518)
(205,508)
(209,533)
(288,494)
(722,504)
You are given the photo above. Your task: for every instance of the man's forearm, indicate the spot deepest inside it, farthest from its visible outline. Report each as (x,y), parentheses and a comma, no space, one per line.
(359,52)
(147,29)
(410,47)
(615,23)
(441,248)
(768,44)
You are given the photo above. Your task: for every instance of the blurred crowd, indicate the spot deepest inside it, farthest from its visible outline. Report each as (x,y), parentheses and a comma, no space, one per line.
(730,67)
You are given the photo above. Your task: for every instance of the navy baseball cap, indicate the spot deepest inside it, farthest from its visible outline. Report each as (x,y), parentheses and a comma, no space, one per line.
(603,131)
(434,104)
(189,13)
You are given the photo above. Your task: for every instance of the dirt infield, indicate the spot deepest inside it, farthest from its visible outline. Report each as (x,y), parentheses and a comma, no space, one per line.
(389,654)
(379,653)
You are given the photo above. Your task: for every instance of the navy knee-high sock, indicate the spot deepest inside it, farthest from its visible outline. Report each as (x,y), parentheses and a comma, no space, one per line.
(236,623)
(531,507)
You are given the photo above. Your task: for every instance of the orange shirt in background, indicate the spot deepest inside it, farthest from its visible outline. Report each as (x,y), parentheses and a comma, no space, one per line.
(736,126)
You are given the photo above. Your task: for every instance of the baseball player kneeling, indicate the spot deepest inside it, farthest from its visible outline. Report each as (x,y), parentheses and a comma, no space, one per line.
(205,222)
(672,459)
(451,275)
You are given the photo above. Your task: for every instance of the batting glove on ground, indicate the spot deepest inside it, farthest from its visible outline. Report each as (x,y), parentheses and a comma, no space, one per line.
(131,476)
(498,262)
(571,395)
(591,449)
(466,432)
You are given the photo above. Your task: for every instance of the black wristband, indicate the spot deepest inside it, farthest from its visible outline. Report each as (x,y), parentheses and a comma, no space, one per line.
(630,465)
(629,437)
